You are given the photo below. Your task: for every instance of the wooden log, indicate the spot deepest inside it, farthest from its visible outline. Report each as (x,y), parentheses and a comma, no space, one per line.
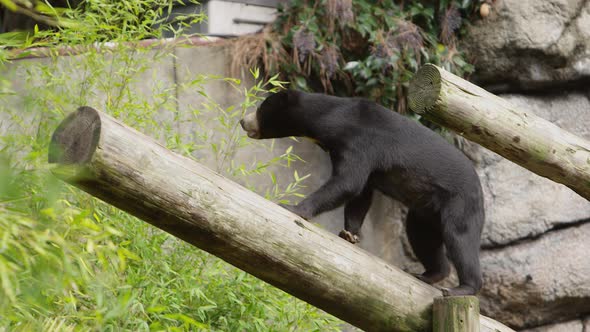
(456,314)
(129,170)
(496,124)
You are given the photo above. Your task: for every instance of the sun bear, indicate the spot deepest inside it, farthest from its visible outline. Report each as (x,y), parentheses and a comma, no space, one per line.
(373,148)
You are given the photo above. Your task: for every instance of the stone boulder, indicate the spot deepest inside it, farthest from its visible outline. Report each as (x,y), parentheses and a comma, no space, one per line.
(531,44)
(538,282)
(571,326)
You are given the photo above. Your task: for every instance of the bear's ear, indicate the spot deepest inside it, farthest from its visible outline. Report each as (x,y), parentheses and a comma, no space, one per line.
(290,98)
(284,99)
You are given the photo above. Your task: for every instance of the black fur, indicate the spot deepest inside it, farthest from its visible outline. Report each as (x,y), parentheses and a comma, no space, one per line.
(373,148)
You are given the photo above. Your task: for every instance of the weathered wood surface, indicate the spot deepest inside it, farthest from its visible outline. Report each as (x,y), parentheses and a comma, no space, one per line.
(456,314)
(493,122)
(129,170)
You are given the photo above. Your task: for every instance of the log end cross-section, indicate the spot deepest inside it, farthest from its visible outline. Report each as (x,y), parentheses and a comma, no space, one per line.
(76,138)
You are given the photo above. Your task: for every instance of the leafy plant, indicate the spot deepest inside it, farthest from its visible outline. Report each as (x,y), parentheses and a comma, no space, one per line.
(69,262)
(363,48)
(96,21)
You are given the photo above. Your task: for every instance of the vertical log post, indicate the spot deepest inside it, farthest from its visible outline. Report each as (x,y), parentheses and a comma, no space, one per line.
(456,314)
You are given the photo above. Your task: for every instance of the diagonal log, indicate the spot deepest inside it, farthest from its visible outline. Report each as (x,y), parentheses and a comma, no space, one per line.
(516,134)
(125,168)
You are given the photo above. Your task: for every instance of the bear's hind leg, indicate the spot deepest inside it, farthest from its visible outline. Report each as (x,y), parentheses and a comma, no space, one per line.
(425,236)
(462,236)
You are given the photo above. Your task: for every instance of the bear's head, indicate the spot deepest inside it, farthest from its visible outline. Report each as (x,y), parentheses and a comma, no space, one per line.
(277,116)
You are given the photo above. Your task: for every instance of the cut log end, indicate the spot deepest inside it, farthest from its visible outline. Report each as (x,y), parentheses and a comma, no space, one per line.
(456,314)
(76,138)
(424,89)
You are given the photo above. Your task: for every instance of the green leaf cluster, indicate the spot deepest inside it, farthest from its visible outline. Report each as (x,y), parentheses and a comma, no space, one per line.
(364,48)
(97,21)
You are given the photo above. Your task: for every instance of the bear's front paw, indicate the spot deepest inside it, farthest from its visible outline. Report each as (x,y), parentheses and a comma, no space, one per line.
(348,236)
(296,210)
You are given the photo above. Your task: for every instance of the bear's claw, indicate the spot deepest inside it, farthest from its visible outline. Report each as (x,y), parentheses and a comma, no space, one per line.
(348,236)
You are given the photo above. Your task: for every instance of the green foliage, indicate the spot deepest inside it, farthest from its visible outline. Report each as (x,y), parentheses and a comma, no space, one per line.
(97,21)
(366,48)
(69,262)
(79,263)
(40,11)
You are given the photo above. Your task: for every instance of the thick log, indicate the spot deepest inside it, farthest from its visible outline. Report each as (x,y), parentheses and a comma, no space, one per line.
(129,170)
(491,121)
(456,314)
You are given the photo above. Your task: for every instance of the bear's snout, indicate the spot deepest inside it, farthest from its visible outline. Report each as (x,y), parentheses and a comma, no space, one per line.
(250,124)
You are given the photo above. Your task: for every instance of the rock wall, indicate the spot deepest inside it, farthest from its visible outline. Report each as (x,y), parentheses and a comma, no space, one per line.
(531,44)
(536,54)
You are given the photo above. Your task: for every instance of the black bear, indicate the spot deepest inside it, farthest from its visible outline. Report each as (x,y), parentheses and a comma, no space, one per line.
(373,148)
